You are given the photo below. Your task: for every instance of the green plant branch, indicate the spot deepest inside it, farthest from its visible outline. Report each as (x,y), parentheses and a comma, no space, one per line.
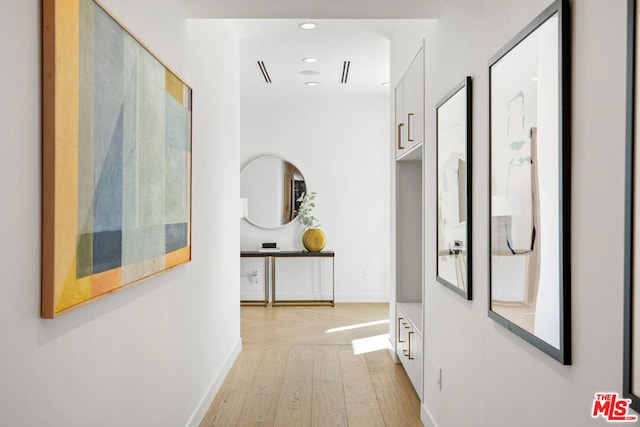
(304,213)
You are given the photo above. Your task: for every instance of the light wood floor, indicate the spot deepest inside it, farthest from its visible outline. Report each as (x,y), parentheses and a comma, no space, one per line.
(294,370)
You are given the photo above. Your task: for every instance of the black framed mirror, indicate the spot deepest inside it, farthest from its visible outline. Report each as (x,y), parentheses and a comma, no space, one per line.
(271,187)
(453,204)
(529,189)
(631,362)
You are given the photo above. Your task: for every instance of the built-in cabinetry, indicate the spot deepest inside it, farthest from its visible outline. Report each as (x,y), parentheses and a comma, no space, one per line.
(407,167)
(409,342)
(409,108)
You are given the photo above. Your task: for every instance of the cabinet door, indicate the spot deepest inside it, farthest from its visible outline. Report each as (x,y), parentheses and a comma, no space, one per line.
(415,372)
(413,101)
(400,131)
(303,279)
(252,279)
(412,358)
(409,350)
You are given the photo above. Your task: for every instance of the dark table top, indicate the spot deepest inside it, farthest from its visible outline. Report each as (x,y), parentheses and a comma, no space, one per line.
(289,254)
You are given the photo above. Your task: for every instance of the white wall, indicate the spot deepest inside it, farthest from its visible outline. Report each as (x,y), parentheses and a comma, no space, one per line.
(340,144)
(490,376)
(146,356)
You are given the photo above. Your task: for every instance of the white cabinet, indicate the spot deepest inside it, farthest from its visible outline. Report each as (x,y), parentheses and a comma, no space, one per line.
(254,283)
(287,277)
(409,344)
(401,132)
(409,108)
(303,279)
(408,222)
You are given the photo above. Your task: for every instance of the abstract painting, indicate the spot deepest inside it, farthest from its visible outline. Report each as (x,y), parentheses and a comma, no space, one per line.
(116,158)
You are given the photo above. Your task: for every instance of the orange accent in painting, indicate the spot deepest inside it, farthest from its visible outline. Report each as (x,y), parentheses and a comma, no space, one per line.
(107,281)
(177,257)
(66,289)
(174,86)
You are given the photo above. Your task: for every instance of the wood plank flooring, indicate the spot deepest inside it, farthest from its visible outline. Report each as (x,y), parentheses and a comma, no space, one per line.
(299,367)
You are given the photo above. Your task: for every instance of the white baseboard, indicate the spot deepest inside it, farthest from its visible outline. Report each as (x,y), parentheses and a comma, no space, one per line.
(207,399)
(425,417)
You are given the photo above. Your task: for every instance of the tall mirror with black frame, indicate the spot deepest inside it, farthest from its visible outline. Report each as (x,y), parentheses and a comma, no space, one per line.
(631,377)
(271,187)
(529,185)
(453,146)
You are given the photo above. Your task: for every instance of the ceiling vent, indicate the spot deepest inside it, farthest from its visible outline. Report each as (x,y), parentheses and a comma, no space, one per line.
(263,70)
(345,72)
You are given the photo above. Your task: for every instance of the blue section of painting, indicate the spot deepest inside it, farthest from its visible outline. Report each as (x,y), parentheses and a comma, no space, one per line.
(107,250)
(177,236)
(176,122)
(108,191)
(108,123)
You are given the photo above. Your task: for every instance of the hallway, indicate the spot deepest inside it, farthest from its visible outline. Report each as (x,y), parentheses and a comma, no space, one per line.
(315,366)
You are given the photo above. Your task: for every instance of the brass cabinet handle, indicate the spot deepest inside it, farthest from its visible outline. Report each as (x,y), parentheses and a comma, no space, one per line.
(399,320)
(408,352)
(409,116)
(400,147)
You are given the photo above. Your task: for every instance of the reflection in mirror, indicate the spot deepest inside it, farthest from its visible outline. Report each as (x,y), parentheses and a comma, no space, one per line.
(271,186)
(529,279)
(453,115)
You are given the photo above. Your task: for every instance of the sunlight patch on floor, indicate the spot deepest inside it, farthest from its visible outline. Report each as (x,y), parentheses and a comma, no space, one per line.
(359,325)
(369,344)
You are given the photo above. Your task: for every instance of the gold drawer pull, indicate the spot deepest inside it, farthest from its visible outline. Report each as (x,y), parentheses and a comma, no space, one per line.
(409,116)
(408,352)
(399,320)
(400,147)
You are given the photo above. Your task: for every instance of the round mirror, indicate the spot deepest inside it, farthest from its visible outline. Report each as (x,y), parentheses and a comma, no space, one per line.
(271,187)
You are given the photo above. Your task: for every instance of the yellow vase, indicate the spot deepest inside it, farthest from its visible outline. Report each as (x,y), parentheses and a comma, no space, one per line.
(314,240)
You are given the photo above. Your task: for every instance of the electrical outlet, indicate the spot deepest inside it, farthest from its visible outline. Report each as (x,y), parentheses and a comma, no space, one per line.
(439,379)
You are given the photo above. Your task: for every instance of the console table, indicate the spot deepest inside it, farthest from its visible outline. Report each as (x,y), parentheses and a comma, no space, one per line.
(276,261)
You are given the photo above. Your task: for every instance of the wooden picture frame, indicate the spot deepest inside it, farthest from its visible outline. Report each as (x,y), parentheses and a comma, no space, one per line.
(116,173)
(529,230)
(453,204)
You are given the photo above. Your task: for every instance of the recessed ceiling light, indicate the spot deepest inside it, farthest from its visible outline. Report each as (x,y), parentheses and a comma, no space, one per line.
(307,26)
(311,83)
(309,72)
(310,60)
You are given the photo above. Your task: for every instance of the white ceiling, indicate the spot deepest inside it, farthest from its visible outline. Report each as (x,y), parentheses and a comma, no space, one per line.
(318,9)
(348,30)
(282,45)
